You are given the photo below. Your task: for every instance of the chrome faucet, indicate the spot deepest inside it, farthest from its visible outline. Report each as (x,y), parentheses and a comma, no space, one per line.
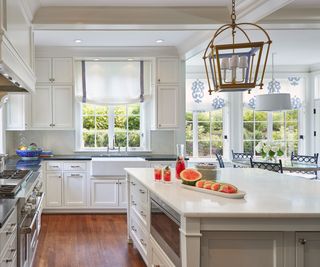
(3,161)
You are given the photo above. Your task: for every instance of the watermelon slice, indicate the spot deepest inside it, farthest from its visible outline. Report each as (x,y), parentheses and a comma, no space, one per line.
(190,176)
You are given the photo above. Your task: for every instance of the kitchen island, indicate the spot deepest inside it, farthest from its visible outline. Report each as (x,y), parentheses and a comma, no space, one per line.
(276,224)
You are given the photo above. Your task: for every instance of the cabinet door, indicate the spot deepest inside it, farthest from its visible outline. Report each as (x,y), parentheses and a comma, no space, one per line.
(62,70)
(41,107)
(242,249)
(62,103)
(122,193)
(74,189)
(167,107)
(308,247)
(43,70)
(167,70)
(54,189)
(104,193)
(16,115)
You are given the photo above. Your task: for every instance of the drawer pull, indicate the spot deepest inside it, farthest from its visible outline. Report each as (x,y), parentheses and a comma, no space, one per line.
(54,166)
(143,243)
(75,175)
(11,230)
(75,166)
(302,241)
(142,214)
(133,183)
(133,229)
(142,191)
(8,260)
(133,203)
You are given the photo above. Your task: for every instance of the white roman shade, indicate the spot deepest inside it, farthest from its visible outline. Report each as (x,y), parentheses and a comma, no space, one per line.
(113,82)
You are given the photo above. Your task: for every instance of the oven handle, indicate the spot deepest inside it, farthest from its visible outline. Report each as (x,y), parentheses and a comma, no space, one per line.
(166,212)
(28,229)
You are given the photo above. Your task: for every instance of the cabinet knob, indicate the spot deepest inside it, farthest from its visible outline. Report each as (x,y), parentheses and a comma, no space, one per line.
(158,80)
(302,241)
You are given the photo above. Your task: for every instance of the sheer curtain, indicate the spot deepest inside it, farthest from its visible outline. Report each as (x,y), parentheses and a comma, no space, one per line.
(112,82)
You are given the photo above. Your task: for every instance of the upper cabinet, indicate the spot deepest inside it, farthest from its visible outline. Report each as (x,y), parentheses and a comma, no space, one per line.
(17,43)
(54,70)
(168,70)
(167,92)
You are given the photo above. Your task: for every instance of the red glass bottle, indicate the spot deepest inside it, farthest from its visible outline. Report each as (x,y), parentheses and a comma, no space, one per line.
(180,164)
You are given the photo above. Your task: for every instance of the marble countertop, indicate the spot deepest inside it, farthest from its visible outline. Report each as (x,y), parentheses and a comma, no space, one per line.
(268,195)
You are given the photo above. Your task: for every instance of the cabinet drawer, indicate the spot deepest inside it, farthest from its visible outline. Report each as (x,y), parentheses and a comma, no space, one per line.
(9,256)
(139,235)
(139,191)
(54,166)
(139,209)
(8,230)
(75,166)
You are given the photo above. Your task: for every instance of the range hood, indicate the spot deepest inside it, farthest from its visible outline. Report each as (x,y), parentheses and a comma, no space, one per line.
(8,85)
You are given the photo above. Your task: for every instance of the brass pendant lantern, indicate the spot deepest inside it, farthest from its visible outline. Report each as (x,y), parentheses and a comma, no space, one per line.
(236,66)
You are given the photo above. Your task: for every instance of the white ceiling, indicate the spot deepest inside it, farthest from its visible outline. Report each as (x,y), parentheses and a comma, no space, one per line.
(134,2)
(111,38)
(292,47)
(305,3)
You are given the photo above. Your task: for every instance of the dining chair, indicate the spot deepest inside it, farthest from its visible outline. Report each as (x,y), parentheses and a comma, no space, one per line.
(220,160)
(295,158)
(270,166)
(238,155)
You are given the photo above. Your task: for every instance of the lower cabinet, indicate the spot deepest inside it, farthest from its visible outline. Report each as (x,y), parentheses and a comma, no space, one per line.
(54,189)
(307,249)
(108,193)
(75,189)
(242,249)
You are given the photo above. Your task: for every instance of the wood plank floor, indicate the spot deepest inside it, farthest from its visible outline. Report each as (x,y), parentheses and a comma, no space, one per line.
(85,240)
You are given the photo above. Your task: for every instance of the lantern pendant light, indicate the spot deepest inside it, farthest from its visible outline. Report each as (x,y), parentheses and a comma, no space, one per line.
(236,66)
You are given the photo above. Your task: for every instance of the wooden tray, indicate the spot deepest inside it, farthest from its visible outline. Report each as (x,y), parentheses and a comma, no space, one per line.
(238,195)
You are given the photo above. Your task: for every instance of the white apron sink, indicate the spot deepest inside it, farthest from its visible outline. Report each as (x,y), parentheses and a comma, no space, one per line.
(114,166)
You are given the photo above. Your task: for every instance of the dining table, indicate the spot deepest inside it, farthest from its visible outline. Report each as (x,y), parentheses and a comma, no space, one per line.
(287,165)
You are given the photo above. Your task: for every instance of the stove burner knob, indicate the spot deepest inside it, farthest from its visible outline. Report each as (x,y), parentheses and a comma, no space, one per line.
(32,200)
(27,208)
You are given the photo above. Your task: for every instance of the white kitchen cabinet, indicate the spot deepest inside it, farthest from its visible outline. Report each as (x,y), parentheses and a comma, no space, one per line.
(41,107)
(307,249)
(108,193)
(62,103)
(74,189)
(52,107)
(54,70)
(18,112)
(168,70)
(54,189)
(122,188)
(167,106)
(157,255)
(242,249)
(104,193)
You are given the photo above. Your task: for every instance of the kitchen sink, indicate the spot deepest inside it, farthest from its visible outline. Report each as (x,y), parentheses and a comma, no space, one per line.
(114,166)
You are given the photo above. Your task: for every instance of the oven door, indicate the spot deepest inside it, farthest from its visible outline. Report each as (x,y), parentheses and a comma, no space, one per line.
(165,229)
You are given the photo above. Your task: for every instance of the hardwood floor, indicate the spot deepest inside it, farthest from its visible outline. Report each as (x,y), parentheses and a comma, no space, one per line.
(85,240)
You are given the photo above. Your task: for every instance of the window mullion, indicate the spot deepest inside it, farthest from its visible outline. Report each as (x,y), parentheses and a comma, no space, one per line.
(195,132)
(269,126)
(111,126)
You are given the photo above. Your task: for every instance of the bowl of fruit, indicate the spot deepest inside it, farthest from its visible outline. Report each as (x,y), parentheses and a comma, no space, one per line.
(31,152)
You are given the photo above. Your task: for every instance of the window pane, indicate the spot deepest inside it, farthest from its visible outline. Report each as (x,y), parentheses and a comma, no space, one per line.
(189,148)
(102,139)
(120,122)
(277,116)
(88,139)
(134,109)
(217,115)
(189,129)
(120,110)
(189,116)
(88,123)
(261,116)
(217,144)
(248,146)
(121,139)
(248,130)
(133,123)
(88,109)
(203,116)
(204,131)
(292,131)
(101,110)
(102,122)
(204,148)
(292,115)
(217,128)
(134,139)
(278,131)
(261,130)
(248,115)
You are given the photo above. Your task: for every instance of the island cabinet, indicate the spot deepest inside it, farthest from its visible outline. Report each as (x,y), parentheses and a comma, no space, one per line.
(307,249)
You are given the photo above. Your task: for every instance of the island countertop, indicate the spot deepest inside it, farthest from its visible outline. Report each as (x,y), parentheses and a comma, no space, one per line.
(268,195)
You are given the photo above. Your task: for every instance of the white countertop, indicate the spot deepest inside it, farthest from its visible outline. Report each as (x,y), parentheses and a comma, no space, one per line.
(269,195)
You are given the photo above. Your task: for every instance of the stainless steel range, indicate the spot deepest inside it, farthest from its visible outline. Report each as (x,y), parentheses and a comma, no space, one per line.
(11,181)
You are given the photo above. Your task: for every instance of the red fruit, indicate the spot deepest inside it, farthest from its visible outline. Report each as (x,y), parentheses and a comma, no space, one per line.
(215,186)
(228,188)
(200,183)
(207,185)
